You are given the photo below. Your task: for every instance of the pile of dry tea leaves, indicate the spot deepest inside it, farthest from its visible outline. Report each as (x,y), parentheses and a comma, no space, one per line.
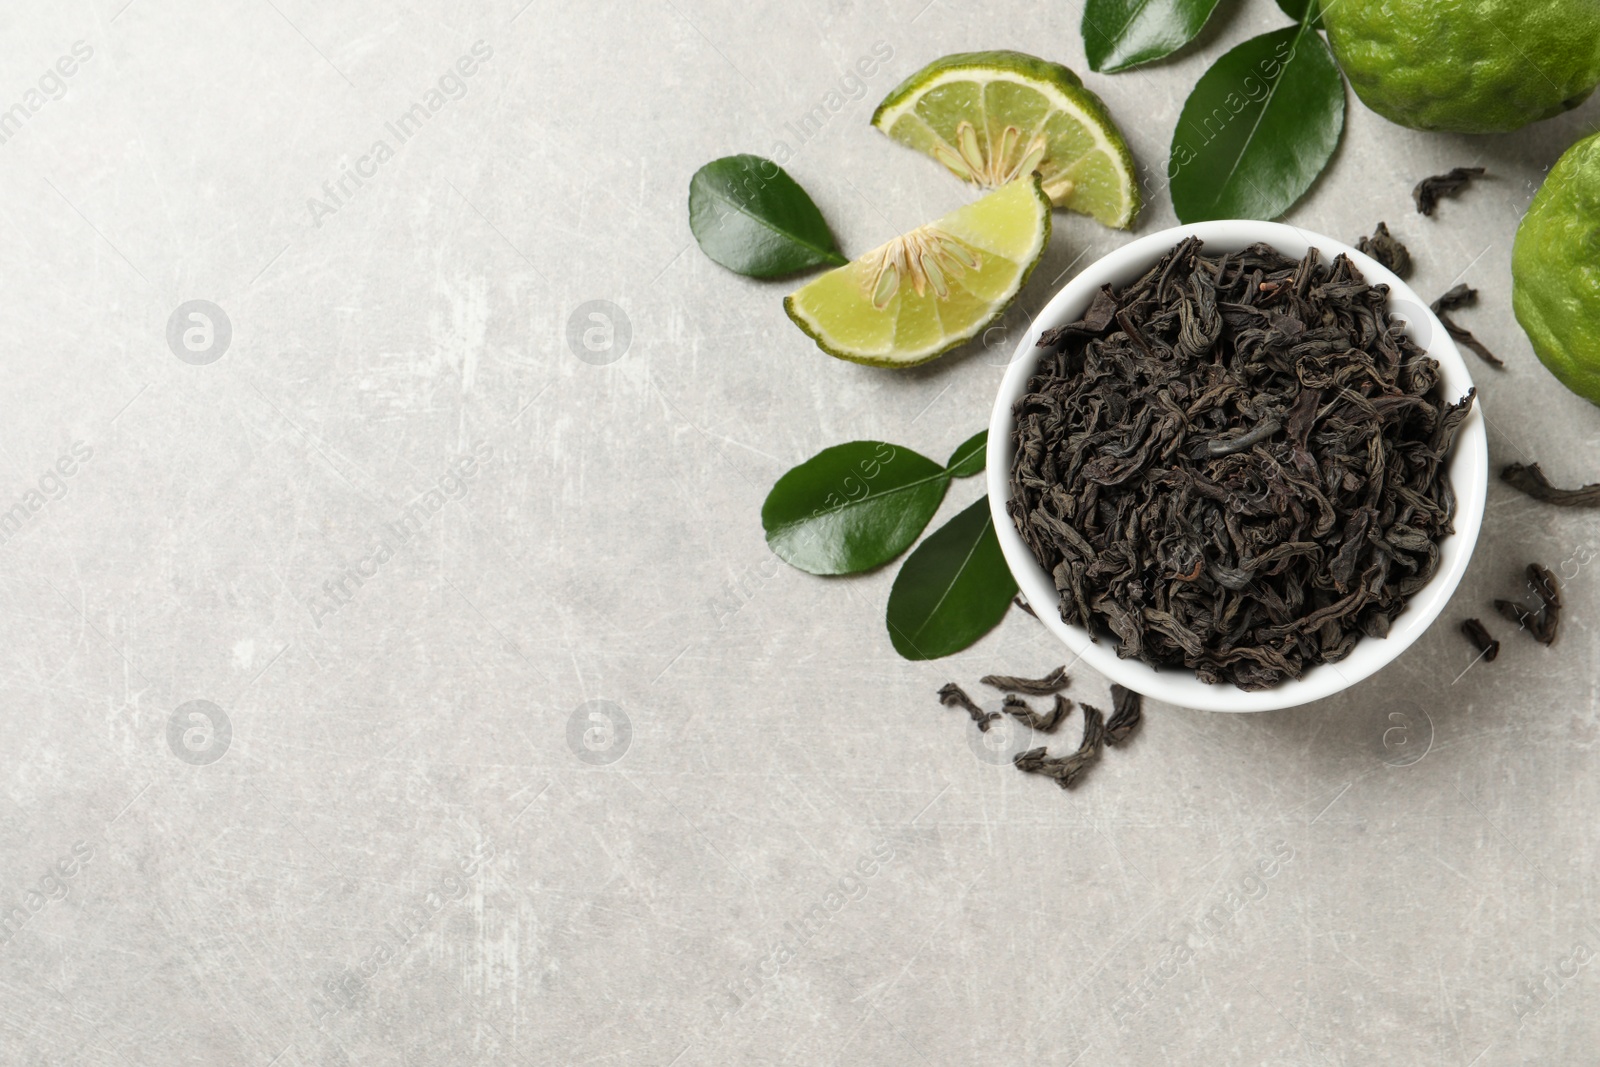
(1237,464)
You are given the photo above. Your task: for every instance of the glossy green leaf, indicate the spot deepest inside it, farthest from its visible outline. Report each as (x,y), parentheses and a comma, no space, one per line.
(1258,128)
(967,460)
(1296,9)
(952,590)
(751,217)
(852,507)
(1118,34)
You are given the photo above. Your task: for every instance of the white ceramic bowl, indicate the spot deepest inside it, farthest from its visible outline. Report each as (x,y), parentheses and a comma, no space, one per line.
(1468,472)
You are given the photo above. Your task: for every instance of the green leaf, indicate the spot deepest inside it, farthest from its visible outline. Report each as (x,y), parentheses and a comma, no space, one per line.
(1118,34)
(852,507)
(751,217)
(1258,128)
(952,589)
(1296,9)
(967,460)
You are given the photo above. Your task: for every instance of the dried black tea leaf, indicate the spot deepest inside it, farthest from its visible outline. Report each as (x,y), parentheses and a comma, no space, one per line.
(1458,296)
(1248,439)
(1429,190)
(1024,605)
(953,696)
(1529,479)
(1067,769)
(1243,471)
(1099,316)
(1548,590)
(1386,248)
(1053,682)
(1545,621)
(1018,709)
(1127,712)
(1488,648)
(1525,617)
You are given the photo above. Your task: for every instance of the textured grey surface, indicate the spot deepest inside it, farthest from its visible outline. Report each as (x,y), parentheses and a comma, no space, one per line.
(415,843)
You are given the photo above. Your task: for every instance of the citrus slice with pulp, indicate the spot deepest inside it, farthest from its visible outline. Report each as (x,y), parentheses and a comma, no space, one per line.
(927,291)
(992,117)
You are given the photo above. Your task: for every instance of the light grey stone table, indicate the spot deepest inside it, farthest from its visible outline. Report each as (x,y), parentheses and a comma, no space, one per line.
(513,745)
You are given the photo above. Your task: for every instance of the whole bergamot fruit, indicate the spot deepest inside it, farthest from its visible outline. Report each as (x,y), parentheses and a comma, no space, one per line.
(1467,66)
(1555,270)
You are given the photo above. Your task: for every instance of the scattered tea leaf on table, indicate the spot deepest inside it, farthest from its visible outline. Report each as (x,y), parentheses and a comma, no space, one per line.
(1067,769)
(952,590)
(852,507)
(1460,296)
(1018,709)
(1488,648)
(1126,715)
(1428,191)
(953,696)
(1118,34)
(1053,682)
(1530,479)
(751,217)
(1388,250)
(967,460)
(1258,128)
(1545,622)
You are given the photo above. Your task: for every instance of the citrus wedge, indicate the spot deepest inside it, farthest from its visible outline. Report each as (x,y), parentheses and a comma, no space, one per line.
(927,291)
(992,117)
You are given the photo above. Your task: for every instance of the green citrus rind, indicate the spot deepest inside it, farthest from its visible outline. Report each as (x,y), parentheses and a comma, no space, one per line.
(840,301)
(1555,270)
(1484,66)
(1084,146)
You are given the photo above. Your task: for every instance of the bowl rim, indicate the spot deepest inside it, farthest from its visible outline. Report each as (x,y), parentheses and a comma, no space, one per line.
(1468,471)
